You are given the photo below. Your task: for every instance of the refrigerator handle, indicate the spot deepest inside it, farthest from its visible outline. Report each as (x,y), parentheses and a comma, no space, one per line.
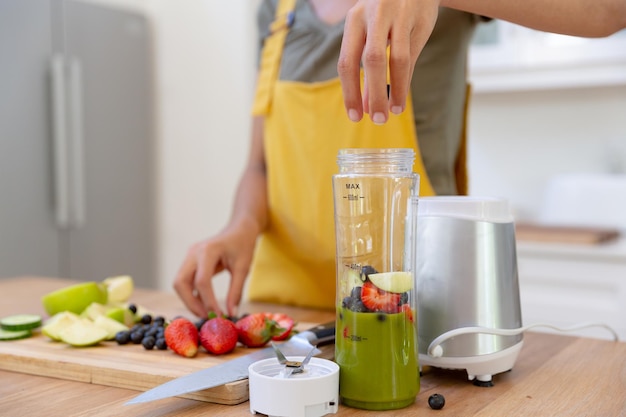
(60,142)
(77,143)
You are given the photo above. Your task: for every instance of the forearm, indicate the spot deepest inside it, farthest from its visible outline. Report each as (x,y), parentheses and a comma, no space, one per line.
(250,205)
(585,18)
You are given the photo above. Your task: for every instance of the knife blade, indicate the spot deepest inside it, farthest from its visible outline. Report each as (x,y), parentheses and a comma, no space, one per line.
(234,370)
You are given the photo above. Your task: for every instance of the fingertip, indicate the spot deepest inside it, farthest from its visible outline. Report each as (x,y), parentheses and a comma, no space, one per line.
(354,115)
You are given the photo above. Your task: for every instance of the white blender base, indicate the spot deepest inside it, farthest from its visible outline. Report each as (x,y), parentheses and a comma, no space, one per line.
(481,367)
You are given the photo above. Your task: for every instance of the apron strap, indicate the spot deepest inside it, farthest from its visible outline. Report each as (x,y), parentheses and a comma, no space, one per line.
(271,56)
(460,166)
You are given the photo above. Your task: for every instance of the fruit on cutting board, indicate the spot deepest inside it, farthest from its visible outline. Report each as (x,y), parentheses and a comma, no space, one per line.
(111,326)
(284,325)
(397,282)
(119,288)
(121,314)
(74,298)
(218,336)
(60,321)
(82,333)
(181,335)
(256,329)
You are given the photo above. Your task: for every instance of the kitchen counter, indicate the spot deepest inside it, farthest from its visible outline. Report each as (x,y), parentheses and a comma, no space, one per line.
(554,375)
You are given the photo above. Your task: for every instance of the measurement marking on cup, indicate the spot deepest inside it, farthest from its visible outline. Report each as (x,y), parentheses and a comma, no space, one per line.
(353,197)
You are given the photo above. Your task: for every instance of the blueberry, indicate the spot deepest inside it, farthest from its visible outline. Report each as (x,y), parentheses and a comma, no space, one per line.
(160,343)
(159,321)
(347,303)
(367,270)
(136,337)
(359,307)
(404,298)
(122,337)
(436,401)
(148,342)
(356,293)
(151,332)
(132,308)
(146,319)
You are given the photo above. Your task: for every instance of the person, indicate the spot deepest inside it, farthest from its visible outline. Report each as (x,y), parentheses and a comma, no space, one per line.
(281,231)
(406,25)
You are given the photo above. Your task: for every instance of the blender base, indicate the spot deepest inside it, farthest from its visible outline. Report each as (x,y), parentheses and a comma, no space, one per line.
(480,369)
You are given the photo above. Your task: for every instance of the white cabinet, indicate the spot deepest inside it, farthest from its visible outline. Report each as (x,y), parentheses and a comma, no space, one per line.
(565,285)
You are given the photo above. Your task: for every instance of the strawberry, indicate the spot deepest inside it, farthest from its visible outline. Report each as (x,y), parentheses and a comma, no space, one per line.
(408,311)
(181,335)
(255,329)
(376,299)
(284,325)
(218,335)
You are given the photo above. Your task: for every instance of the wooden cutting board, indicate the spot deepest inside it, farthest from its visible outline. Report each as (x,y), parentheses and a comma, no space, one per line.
(128,366)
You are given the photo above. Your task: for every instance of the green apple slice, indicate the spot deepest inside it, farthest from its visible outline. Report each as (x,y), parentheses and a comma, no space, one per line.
(58,322)
(121,314)
(83,333)
(111,326)
(74,298)
(93,310)
(119,288)
(396,282)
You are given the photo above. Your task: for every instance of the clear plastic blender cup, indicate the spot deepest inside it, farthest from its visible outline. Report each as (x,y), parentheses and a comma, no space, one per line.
(375,197)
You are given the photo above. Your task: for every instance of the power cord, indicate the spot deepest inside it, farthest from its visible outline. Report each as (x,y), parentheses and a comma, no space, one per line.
(436,351)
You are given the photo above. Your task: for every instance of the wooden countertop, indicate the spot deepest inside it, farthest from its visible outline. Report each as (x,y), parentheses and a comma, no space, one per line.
(553,376)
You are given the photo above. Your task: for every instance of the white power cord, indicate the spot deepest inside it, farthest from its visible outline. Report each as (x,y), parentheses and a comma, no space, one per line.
(436,351)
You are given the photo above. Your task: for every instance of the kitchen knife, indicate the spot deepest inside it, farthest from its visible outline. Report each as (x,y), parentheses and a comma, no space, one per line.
(234,370)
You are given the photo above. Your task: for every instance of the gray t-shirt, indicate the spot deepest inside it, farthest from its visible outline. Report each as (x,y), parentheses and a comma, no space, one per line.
(438,86)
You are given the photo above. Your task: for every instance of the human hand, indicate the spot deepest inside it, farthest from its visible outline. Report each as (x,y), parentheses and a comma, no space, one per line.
(372,25)
(230,250)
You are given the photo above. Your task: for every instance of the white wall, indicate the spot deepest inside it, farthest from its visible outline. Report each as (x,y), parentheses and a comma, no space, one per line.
(519,140)
(205,65)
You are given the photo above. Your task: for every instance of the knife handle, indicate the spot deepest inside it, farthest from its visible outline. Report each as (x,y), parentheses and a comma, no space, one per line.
(324,333)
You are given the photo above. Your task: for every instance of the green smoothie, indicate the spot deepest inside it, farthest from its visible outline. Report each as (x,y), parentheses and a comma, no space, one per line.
(377,356)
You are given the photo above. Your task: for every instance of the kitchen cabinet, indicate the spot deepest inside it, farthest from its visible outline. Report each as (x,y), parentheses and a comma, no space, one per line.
(506,57)
(568,284)
(77,145)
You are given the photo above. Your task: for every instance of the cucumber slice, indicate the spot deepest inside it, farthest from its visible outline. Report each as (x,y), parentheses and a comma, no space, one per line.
(21,322)
(14,334)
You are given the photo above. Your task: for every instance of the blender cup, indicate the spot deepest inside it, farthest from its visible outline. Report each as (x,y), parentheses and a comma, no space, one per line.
(375,197)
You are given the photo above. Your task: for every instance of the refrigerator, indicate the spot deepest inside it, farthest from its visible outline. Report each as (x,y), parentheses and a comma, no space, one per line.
(77,142)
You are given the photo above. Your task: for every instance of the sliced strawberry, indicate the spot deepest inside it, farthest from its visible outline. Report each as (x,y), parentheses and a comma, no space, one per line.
(406,308)
(376,299)
(181,335)
(255,330)
(218,335)
(284,325)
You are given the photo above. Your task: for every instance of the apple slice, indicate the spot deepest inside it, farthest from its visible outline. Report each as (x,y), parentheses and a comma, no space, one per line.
(83,333)
(119,288)
(60,321)
(397,282)
(111,326)
(74,298)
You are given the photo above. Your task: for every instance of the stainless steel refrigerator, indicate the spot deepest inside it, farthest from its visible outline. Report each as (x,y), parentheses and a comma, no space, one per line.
(77,141)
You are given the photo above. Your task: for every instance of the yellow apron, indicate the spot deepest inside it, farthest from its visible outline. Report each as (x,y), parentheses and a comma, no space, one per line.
(305,127)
